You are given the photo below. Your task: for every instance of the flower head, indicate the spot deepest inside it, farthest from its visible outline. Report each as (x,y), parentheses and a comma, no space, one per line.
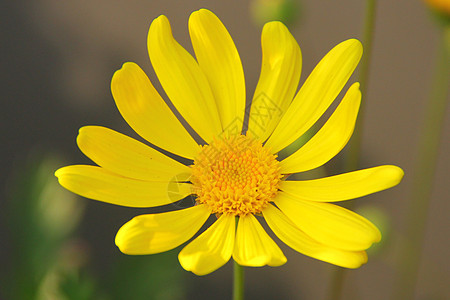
(232,175)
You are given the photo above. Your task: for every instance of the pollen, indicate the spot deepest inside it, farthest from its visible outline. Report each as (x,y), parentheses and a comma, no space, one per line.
(235,175)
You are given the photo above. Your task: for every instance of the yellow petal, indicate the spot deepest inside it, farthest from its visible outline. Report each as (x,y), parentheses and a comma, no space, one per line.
(280,74)
(344,186)
(254,247)
(155,233)
(147,113)
(329,224)
(210,250)
(183,80)
(292,236)
(317,93)
(128,157)
(330,139)
(219,60)
(99,184)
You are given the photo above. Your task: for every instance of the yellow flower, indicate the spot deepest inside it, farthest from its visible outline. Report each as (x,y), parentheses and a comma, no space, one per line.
(442,6)
(232,175)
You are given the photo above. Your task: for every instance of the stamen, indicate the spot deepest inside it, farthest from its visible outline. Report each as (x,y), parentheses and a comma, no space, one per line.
(235,175)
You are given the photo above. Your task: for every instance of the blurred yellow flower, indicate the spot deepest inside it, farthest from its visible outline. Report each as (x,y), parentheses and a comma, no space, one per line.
(442,6)
(233,175)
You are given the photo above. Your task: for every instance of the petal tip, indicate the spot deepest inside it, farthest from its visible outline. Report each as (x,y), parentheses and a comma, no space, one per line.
(356,86)
(160,19)
(120,239)
(354,46)
(58,173)
(200,16)
(354,43)
(61,172)
(274,24)
(204,11)
(160,24)
(395,173)
(186,263)
(360,261)
(123,69)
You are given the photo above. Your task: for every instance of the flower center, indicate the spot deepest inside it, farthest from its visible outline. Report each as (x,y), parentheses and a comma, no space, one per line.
(235,175)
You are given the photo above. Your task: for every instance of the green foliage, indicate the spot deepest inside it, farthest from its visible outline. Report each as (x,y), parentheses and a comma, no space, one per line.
(157,276)
(37,233)
(286,11)
(49,263)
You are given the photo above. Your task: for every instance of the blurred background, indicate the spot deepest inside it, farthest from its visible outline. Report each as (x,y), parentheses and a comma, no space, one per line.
(58,58)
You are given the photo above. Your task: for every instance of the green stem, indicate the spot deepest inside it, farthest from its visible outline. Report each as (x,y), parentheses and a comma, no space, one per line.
(353,154)
(422,181)
(238,277)
(354,145)
(238,282)
(336,283)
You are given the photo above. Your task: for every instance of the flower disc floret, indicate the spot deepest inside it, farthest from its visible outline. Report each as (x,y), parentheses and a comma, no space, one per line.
(236,175)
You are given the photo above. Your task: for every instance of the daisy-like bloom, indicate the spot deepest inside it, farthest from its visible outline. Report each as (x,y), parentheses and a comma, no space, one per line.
(233,176)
